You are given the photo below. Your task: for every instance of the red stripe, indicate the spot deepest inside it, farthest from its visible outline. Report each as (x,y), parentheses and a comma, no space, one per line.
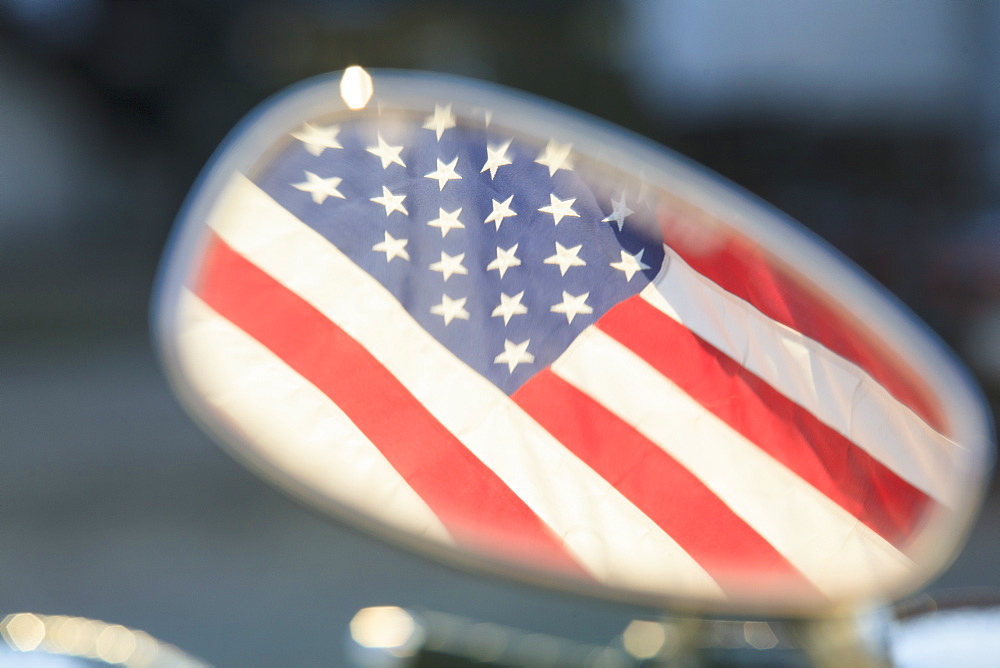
(475,505)
(743,269)
(825,459)
(702,524)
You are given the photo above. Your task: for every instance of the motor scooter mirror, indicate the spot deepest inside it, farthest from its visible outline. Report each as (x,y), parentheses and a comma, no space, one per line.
(529,343)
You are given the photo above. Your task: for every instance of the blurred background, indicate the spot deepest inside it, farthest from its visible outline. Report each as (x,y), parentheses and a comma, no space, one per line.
(876,124)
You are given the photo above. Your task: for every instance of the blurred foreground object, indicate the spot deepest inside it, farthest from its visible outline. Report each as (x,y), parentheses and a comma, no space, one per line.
(391,636)
(525,342)
(78,639)
(923,633)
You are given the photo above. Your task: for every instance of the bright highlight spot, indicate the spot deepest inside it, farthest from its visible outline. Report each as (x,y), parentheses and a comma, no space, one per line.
(23,631)
(115,644)
(385,627)
(759,635)
(146,649)
(356,87)
(77,636)
(643,639)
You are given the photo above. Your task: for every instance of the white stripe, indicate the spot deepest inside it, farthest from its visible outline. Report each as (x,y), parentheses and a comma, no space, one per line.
(610,537)
(830,546)
(310,440)
(838,392)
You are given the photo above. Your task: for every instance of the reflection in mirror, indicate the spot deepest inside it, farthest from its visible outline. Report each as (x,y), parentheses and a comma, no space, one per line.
(525,342)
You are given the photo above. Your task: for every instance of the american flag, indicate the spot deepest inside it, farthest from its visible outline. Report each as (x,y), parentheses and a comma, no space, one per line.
(487,339)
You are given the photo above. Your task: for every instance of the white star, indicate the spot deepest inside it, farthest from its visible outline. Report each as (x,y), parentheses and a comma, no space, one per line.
(514,354)
(447,221)
(496,157)
(509,307)
(560,208)
(320,188)
(391,202)
(556,157)
(620,213)
(444,173)
(449,309)
(565,258)
(441,120)
(501,210)
(392,248)
(388,154)
(450,264)
(573,306)
(630,264)
(505,260)
(317,138)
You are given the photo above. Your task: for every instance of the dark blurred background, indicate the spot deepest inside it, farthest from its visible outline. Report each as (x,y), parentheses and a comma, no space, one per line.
(876,124)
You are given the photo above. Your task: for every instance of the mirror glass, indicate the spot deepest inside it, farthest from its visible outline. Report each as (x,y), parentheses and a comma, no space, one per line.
(526,342)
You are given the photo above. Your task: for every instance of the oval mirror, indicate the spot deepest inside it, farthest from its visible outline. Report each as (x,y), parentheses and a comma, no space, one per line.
(530,343)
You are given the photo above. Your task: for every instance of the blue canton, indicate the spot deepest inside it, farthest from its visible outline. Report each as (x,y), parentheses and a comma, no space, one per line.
(507,294)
